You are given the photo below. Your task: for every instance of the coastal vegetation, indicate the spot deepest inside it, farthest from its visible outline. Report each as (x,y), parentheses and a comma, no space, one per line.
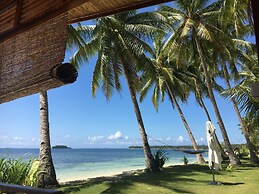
(16,171)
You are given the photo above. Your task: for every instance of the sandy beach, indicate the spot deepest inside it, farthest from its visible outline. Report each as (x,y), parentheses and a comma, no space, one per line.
(82,176)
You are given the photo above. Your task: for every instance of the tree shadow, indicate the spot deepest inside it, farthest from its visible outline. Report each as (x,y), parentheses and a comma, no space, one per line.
(172,174)
(231,184)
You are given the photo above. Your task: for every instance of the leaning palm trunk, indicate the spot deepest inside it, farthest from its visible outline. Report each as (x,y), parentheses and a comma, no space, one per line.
(200,159)
(46,175)
(232,157)
(249,144)
(223,153)
(150,165)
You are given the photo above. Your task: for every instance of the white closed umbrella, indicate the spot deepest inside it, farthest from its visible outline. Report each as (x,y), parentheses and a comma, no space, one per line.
(214,155)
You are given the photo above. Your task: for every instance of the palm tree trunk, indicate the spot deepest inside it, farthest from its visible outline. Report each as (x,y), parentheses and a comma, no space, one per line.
(150,164)
(232,157)
(205,110)
(47,174)
(200,159)
(253,156)
(223,153)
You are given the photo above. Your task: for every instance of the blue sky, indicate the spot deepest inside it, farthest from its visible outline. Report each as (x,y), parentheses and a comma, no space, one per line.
(81,121)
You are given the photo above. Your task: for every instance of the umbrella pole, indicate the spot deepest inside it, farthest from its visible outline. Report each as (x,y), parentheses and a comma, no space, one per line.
(213,173)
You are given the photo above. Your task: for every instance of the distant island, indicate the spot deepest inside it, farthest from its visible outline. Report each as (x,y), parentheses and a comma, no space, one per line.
(61,147)
(171,147)
(183,147)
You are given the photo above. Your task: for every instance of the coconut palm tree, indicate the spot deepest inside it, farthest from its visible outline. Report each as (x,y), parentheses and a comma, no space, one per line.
(195,21)
(121,49)
(167,77)
(244,128)
(46,171)
(237,11)
(200,91)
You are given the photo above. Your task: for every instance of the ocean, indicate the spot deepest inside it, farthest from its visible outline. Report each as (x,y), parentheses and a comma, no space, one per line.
(78,164)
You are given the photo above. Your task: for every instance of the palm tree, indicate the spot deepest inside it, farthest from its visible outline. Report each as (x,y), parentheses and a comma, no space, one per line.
(237,11)
(244,128)
(200,91)
(46,172)
(242,91)
(117,39)
(168,78)
(195,21)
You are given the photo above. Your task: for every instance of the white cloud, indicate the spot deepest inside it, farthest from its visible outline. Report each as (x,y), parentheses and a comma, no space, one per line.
(96,138)
(18,142)
(117,135)
(67,136)
(17,138)
(168,139)
(180,139)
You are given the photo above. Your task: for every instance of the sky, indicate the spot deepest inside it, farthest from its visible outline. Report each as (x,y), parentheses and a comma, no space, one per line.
(79,120)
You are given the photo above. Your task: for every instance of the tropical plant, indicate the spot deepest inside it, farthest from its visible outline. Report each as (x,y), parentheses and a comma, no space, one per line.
(242,91)
(235,20)
(16,171)
(253,131)
(32,176)
(121,49)
(241,94)
(185,160)
(168,77)
(46,174)
(160,158)
(195,25)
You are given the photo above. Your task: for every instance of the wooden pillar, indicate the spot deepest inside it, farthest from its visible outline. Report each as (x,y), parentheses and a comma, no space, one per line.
(255,8)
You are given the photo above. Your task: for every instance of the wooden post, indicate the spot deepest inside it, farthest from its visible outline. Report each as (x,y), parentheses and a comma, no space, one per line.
(25,189)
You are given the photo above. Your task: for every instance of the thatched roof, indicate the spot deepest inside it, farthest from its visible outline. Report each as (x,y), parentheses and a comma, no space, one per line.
(33,35)
(33,40)
(19,15)
(27,59)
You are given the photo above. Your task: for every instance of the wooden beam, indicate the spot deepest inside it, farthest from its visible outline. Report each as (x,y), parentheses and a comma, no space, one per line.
(63,7)
(132,6)
(18,13)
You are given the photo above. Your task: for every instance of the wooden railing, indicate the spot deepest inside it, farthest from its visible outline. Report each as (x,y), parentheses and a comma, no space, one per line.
(25,189)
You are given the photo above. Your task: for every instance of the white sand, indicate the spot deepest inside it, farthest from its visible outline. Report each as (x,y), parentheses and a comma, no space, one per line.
(83,175)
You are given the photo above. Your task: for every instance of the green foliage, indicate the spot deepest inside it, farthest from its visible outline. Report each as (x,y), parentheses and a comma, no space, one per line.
(18,172)
(243,151)
(229,169)
(185,160)
(160,157)
(31,178)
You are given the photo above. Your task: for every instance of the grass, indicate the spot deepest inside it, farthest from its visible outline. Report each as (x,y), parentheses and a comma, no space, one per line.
(189,179)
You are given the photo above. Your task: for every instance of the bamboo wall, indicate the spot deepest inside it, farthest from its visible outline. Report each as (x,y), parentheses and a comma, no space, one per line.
(27,59)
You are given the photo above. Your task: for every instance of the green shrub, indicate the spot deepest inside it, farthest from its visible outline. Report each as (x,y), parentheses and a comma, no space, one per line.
(160,157)
(243,151)
(18,172)
(31,178)
(185,160)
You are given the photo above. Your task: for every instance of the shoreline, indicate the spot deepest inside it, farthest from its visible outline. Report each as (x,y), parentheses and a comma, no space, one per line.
(114,173)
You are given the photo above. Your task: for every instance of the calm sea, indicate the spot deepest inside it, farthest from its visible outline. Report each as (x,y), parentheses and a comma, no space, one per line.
(74,164)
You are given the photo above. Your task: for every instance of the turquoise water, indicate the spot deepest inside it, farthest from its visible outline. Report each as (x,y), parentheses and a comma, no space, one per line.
(74,164)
